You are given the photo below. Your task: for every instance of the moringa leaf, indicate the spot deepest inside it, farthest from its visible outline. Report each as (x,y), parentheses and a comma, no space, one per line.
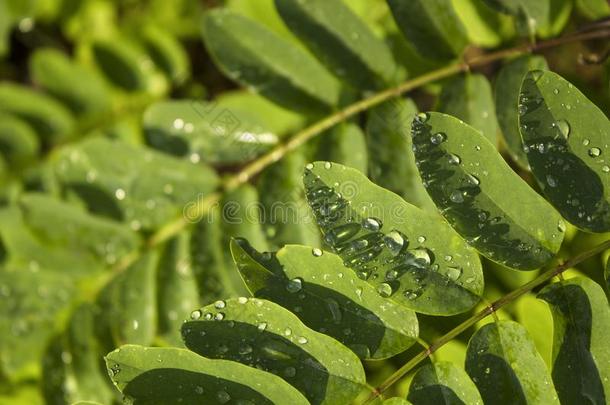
(19,144)
(51,120)
(346,145)
(83,91)
(264,335)
(485,27)
(167,53)
(341,40)
(503,363)
(115,187)
(443,383)
(530,15)
(177,292)
(432,26)
(470,99)
(287,219)
(206,132)
(158,376)
(271,65)
(535,316)
(581,360)
(391,160)
(593,9)
(566,137)
(128,303)
(71,368)
(507,88)
(468,179)
(403,252)
(328,297)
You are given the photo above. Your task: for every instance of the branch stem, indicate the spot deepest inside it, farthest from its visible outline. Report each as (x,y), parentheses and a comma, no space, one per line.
(488,310)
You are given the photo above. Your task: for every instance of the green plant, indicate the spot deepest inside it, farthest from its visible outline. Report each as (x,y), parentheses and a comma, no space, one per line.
(139,192)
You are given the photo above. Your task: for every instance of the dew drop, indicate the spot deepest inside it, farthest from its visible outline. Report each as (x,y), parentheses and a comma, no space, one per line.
(564,128)
(316,252)
(454,273)
(423,117)
(456,197)
(606,169)
(454,159)
(223,397)
(371,224)
(196,314)
(262,326)
(551,181)
(421,239)
(302,340)
(395,241)
(384,289)
(219,316)
(242,300)
(287,332)
(327,165)
(561,226)
(220,304)
(119,194)
(595,152)
(199,390)
(290,372)
(294,285)
(309,166)
(438,138)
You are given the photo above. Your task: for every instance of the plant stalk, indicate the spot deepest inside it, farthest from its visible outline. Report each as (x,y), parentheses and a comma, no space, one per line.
(490,309)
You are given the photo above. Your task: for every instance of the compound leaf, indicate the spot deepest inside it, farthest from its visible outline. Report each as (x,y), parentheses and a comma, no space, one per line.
(566,138)
(467,179)
(328,297)
(403,252)
(158,376)
(265,335)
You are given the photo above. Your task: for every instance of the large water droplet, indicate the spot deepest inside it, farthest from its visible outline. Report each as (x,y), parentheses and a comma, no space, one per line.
(395,241)
(294,285)
(384,289)
(316,252)
(220,304)
(595,152)
(454,159)
(438,138)
(564,128)
(454,273)
(456,197)
(196,314)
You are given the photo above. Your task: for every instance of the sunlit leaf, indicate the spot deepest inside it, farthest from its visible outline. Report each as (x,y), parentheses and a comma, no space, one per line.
(403,252)
(581,360)
(264,335)
(467,179)
(432,26)
(503,363)
(507,88)
(81,90)
(535,316)
(341,40)
(593,9)
(158,376)
(566,137)
(115,187)
(328,297)
(443,383)
(529,15)
(273,66)
(207,132)
(470,99)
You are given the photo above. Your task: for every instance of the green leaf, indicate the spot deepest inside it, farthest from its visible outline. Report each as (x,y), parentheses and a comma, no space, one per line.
(83,91)
(507,88)
(157,376)
(467,179)
(341,40)
(529,15)
(167,52)
(566,136)
(253,106)
(485,27)
(581,360)
(432,26)
(71,368)
(503,363)
(51,120)
(128,303)
(127,66)
(396,401)
(402,251)
(443,383)
(29,316)
(535,316)
(470,99)
(271,65)
(391,160)
(42,232)
(206,132)
(344,144)
(177,292)
(262,334)
(115,188)
(287,219)
(593,9)
(328,297)
(19,144)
